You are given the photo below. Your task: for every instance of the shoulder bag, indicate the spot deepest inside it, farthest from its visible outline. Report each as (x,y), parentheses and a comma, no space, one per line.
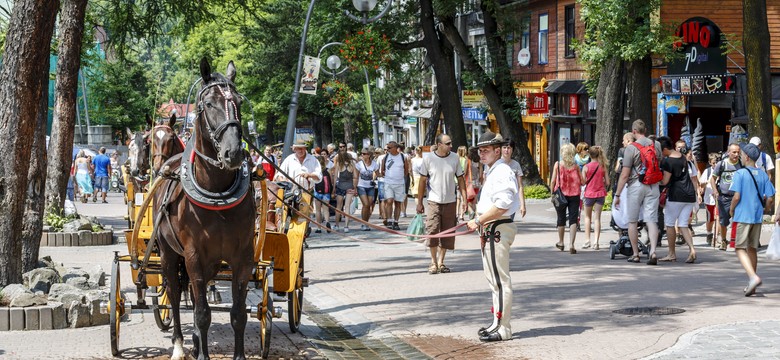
(758,192)
(558,199)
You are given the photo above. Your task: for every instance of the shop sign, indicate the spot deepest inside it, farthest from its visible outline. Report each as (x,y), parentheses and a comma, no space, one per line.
(473,114)
(574,104)
(700,42)
(411,120)
(536,103)
(698,84)
(472,98)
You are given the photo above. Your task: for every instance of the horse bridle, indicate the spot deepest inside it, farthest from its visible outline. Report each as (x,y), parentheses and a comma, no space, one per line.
(156,152)
(140,177)
(215,134)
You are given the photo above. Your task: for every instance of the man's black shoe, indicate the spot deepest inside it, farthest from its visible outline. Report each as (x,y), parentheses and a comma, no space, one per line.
(482,332)
(494,336)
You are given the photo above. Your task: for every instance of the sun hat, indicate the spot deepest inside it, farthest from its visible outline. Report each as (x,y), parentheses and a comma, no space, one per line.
(299,143)
(490,138)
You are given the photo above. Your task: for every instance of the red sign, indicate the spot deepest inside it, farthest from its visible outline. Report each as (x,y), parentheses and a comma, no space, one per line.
(574,104)
(536,103)
(695,32)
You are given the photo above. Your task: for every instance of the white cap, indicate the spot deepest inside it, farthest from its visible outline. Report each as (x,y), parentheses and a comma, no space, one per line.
(755,140)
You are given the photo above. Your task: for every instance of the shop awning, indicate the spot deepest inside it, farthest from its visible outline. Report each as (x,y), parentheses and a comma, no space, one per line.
(422,113)
(567,87)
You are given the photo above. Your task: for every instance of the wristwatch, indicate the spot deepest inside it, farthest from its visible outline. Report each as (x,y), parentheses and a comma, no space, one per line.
(476,221)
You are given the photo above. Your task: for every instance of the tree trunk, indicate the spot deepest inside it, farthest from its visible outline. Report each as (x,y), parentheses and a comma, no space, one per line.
(441,56)
(759,87)
(71,32)
(36,184)
(499,92)
(25,60)
(609,109)
(270,125)
(433,126)
(348,129)
(327,131)
(639,89)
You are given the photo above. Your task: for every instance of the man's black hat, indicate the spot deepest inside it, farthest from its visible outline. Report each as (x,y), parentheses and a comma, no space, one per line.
(490,138)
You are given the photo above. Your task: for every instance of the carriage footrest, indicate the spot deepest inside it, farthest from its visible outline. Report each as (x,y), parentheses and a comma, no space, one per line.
(305,282)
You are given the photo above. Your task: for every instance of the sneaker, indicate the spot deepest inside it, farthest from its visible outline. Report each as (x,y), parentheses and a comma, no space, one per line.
(318,231)
(709,239)
(403,214)
(335,227)
(395,226)
(367,228)
(327,225)
(346,229)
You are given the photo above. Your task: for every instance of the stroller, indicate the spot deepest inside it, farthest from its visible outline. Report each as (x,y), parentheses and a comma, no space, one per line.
(623,244)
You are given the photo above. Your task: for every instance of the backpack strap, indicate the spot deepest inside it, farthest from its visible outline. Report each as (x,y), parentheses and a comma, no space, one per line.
(758,191)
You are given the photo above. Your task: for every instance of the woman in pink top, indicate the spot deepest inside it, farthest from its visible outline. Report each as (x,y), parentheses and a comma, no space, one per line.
(596,185)
(566,175)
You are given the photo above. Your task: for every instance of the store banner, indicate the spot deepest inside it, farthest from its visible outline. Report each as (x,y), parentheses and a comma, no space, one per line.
(473,114)
(472,98)
(537,103)
(698,84)
(311,70)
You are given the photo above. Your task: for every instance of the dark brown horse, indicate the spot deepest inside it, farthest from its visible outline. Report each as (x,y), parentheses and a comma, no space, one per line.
(209,213)
(164,144)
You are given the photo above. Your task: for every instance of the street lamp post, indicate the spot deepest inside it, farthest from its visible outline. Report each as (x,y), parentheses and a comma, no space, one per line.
(364,6)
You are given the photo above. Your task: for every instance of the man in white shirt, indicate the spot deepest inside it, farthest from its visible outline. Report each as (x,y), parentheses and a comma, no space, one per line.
(498,199)
(300,165)
(393,168)
(764,161)
(351,151)
(440,171)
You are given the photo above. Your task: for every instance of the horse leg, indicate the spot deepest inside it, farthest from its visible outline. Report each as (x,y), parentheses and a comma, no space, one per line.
(238,314)
(202,314)
(171,265)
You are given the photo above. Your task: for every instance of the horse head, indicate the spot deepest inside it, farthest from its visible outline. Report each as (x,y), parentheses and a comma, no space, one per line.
(164,143)
(138,152)
(219,114)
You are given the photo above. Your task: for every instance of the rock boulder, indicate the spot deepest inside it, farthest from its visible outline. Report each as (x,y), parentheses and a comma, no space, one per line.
(40,279)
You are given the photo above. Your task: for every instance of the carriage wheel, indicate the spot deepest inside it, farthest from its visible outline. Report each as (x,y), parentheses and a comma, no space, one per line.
(295,300)
(265,316)
(162,316)
(116,308)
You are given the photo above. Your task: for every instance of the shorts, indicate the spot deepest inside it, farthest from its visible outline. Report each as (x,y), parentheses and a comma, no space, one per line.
(395,192)
(724,205)
(366,191)
(591,201)
(748,236)
(641,196)
(380,191)
(441,217)
(710,212)
(573,207)
(322,197)
(101,183)
(678,212)
(342,192)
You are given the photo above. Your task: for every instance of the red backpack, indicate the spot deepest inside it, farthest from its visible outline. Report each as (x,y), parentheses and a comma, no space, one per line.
(650,172)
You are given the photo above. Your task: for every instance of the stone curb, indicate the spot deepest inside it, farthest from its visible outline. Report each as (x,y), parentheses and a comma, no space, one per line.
(81,238)
(44,317)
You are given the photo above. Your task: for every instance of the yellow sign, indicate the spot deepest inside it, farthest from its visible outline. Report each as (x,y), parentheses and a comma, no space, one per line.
(472,98)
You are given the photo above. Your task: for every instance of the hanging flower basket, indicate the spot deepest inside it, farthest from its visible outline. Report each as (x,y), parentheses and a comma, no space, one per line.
(366,48)
(338,92)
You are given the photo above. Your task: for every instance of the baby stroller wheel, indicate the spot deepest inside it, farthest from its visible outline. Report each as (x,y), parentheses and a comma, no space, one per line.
(612,250)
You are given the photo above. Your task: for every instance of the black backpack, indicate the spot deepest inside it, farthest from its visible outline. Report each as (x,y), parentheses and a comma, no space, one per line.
(324,187)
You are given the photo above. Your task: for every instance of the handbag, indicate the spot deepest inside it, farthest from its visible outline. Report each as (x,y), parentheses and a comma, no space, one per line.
(558,199)
(773,249)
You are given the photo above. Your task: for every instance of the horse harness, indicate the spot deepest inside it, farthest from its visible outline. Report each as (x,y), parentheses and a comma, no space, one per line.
(230,109)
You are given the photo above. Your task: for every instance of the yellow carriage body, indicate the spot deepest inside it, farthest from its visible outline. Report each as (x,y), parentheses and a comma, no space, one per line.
(144,235)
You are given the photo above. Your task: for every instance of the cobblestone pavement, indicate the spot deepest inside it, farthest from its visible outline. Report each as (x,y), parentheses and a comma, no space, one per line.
(370,297)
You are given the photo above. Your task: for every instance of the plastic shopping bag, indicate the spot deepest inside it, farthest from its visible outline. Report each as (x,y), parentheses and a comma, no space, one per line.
(416,227)
(773,249)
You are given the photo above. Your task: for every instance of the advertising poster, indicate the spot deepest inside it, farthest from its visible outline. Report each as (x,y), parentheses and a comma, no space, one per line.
(311,72)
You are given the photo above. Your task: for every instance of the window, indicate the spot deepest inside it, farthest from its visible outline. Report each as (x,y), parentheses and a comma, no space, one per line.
(569,17)
(543,28)
(525,27)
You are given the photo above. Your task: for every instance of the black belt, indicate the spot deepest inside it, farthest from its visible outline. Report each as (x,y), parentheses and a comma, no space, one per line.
(488,231)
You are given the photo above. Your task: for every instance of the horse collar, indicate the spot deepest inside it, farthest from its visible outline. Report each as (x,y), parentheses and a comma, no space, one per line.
(212,200)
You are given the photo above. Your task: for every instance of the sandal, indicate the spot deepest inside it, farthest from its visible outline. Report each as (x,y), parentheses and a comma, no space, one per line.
(586,245)
(668,259)
(559,246)
(691,259)
(433,269)
(633,259)
(444,269)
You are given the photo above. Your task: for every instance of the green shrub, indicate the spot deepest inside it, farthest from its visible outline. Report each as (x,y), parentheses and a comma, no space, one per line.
(536,192)
(56,220)
(608,202)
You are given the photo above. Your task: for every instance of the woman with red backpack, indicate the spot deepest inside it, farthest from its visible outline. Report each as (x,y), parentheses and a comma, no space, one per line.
(322,191)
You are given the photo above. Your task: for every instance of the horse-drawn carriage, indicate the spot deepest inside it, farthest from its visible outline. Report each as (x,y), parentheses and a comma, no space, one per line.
(200,222)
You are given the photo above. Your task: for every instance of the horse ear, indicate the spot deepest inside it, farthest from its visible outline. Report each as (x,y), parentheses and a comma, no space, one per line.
(172,120)
(205,70)
(231,71)
(149,121)
(129,133)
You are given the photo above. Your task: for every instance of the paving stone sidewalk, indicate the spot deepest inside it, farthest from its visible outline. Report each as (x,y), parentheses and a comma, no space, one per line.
(754,340)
